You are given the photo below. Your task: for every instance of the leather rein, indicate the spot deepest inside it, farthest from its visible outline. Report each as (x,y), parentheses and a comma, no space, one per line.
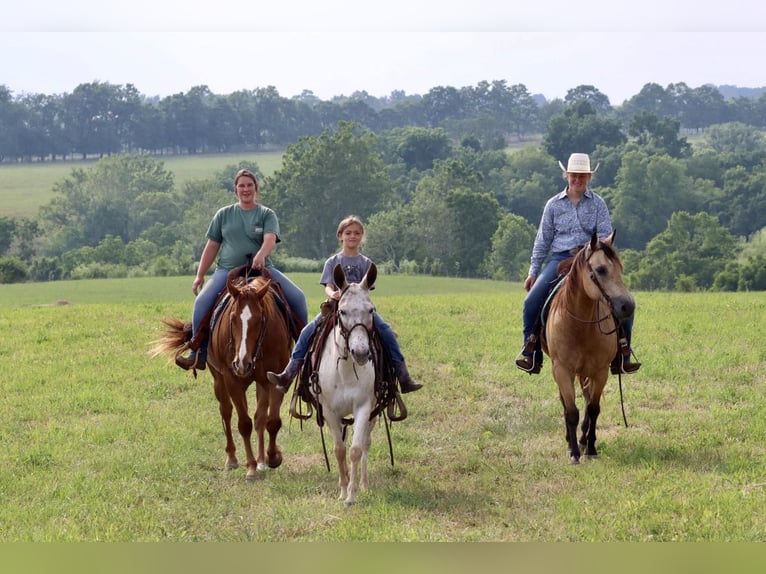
(600,320)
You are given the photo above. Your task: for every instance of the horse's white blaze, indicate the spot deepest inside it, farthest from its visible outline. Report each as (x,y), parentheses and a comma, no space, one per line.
(245,317)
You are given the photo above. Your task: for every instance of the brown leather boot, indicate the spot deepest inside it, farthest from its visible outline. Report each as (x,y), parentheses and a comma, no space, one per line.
(622,364)
(527,359)
(406,384)
(285,378)
(192,361)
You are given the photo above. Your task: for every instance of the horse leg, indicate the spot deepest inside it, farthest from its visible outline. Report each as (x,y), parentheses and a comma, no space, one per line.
(268,419)
(245,426)
(592,410)
(336,428)
(571,414)
(586,419)
(360,445)
(225,408)
(363,483)
(273,426)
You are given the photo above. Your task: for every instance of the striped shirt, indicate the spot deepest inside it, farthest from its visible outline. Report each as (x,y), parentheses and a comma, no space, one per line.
(564,226)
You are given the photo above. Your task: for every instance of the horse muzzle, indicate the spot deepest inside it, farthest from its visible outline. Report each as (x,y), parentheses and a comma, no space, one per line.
(361,356)
(242,368)
(623,306)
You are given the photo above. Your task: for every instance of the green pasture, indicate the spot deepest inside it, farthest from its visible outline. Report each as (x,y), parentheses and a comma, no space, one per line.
(25,187)
(103,443)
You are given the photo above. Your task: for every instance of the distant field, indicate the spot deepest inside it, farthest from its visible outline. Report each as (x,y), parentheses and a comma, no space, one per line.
(24,188)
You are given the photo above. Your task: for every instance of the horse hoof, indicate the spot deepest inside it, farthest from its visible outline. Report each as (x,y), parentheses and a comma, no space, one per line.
(231,465)
(252,477)
(349,503)
(262,467)
(275,461)
(574,460)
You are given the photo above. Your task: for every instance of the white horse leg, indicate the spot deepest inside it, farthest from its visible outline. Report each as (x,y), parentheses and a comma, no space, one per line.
(359,448)
(340,456)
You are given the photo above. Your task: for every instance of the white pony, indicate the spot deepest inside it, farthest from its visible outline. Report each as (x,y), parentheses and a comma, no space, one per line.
(346,379)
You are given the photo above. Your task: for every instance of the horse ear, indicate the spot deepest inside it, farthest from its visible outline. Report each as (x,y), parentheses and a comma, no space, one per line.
(610,240)
(593,242)
(339,277)
(370,276)
(231,286)
(261,291)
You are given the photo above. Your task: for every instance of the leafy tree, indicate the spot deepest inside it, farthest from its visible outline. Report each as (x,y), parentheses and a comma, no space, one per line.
(103,200)
(420,147)
(692,248)
(580,129)
(451,220)
(323,179)
(650,188)
(530,178)
(7,231)
(743,205)
(598,101)
(12,270)
(652,99)
(390,236)
(659,135)
(752,275)
(734,138)
(511,245)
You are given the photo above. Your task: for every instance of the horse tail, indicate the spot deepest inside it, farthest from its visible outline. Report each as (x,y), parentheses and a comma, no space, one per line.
(174,338)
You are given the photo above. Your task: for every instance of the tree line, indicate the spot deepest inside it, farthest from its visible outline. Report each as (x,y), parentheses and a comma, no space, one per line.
(98,119)
(688,216)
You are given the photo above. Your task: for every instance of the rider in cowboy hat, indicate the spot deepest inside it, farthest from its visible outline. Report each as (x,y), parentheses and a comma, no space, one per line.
(569,220)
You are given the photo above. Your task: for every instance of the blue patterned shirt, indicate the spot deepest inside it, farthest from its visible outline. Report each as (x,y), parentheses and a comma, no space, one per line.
(564,226)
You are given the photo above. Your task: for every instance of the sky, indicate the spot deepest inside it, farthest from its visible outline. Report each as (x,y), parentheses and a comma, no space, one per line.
(337,47)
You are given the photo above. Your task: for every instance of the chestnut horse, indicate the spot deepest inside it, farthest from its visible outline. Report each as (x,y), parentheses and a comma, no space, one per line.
(580,335)
(249,336)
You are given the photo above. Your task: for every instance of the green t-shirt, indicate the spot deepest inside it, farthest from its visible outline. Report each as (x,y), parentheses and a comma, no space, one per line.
(240,232)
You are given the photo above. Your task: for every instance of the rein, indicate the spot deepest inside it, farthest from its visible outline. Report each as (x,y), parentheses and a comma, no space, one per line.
(610,305)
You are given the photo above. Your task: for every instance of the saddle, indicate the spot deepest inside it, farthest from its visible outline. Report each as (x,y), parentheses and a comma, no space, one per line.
(387,395)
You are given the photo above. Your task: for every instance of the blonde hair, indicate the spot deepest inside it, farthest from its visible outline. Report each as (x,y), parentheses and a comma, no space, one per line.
(348,221)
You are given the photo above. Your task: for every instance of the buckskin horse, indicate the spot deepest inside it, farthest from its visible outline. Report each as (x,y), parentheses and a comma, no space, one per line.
(249,336)
(580,335)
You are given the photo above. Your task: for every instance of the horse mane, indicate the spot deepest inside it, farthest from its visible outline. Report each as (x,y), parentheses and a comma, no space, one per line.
(270,307)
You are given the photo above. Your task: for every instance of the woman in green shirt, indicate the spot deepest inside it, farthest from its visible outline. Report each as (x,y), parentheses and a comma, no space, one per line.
(236,231)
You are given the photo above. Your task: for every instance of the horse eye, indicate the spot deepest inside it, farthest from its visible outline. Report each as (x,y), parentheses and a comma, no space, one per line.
(601,270)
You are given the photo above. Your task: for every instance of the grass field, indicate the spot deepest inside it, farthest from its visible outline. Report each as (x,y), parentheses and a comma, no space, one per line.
(25,187)
(102,443)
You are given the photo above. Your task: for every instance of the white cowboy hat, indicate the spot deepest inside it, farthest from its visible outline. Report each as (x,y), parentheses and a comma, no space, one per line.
(578,163)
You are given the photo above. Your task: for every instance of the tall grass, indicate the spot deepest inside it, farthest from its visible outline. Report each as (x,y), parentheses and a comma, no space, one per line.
(100,442)
(25,187)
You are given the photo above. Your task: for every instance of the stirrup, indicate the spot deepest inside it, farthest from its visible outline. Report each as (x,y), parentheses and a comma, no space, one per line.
(533,368)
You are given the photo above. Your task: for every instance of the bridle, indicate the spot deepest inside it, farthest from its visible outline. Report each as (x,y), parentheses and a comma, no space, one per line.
(605,296)
(258,352)
(346,332)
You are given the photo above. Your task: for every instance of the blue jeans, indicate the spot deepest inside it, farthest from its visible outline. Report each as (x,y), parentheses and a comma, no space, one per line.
(538,294)
(207,297)
(387,337)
